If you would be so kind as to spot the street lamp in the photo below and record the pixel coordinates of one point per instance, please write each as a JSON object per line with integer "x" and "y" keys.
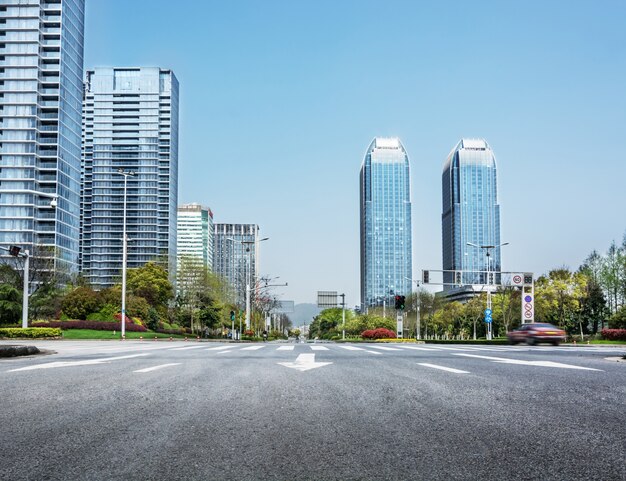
{"x": 15, "y": 252}
{"x": 488, "y": 253}
{"x": 126, "y": 175}
{"x": 249, "y": 268}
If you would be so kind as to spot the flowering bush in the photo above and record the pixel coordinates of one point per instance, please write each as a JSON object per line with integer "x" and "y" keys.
{"x": 95, "y": 325}
{"x": 248, "y": 333}
{"x": 380, "y": 333}
{"x": 614, "y": 334}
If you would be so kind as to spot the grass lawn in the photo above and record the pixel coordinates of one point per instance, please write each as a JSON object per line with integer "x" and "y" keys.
{"x": 607, "y": 342}
{"x": 93, "y": 334}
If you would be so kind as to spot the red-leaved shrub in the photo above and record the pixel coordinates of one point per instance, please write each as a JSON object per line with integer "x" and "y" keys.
{"x": 614, "y": 334}
{"x": 380, "y": 333}
{"x": 95, "y": 325}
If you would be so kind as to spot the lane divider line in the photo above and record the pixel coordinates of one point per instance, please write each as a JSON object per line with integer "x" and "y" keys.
{"x": 154, "y": 368}
{"x": 443, "y": 368}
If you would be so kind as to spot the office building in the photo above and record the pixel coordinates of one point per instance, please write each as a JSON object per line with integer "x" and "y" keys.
{"x": 471, "y": 215}
{"x": 236, "y": 256}
{"x": 130, "y": 122}
{"x": 385, "y": 206}
{"x": 195, "y": 234}
{"x": 41, "y": 72}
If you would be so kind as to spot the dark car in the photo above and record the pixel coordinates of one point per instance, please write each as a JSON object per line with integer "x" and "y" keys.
{"x": 535, "y": 333}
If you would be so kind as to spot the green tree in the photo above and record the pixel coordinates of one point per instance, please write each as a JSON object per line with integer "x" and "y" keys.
{"x": 150, "y": 282}
{"x": 558, "y": 298}
{"x": 80, "y": 302}
{"x": 618, "y": 320}
{"x": 10, "y": 304}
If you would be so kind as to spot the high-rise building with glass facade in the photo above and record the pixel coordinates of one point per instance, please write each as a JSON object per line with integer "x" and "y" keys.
{"x": 471, "y": 213}
{"x": 41, "y": 73}
{"x": 130, "y": 122}
{"x": 236, "y": 256}
{"x": 386, "y": 247}
{"x": 195, "y": 234}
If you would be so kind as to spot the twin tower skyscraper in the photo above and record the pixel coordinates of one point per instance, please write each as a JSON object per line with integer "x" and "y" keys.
{"x": 470, "y": 217}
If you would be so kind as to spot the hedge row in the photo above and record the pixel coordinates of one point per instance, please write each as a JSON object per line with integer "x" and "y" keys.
{"x": 466, "y": 341}
{"x": 380, "y": 333}
{"x": 29, "y": 332}
{"x": 614, "y": 334}
{"x": 95, "y": 325}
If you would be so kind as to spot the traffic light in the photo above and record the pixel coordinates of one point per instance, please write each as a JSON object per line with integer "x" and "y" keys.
{"x": 402, "y": 299}
{"x": 491, "y": 278}
{"x": 14, "y": 250}
{"x": 397, "y": 302}
{"x": 528, "y": 279}
{"x": 425, "y": 277}
{"x": 232, "y": 315}
{"x": 458, "y": 278}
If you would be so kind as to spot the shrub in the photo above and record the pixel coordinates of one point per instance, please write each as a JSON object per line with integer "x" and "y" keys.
{"x": 95, "y": 325}
{"x": 614, "y": 334}
{"x": 380, "y": 333}
{"x": 81, "y": 302}
{"x": 249, "y": 333}
{"x": 30, "y": 332}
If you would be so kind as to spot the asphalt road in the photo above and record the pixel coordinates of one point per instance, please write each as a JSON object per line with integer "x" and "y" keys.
{"x": 211, "y": 411}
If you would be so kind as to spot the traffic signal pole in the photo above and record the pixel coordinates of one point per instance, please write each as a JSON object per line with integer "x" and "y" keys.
{"x": 25, "y": 295}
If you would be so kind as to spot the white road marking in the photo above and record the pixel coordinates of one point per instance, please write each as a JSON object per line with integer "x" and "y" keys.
{"x": 51, "y": 365}
{"x": 318, "y": 348}
{"x": 285, "y": 348}
{"x": 354, "y": 348}
{"x": 252, "y": 348}
{"x": 154, "y": 368}
{"x": 443, "y": 368}
{"x": 186, "y": 348}
{"x": 220, "y": 348}
{"x": 304, "y": 362}
{"x": 415, "y": 348}
{"x": 448, "y": 348}
{"x": 384, "y": 348}
{"x": 528, "y": 363}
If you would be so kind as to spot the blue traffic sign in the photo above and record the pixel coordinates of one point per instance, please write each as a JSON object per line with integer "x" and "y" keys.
{"x": 488, "y": 319}
{"x": 487, "y": 312}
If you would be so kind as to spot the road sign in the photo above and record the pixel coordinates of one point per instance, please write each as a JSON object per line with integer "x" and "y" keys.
{"x": 488, "y": 319}
{"x": 528, "y": 308}
{"x": 517, "y": 279}
{"x": 326, "y": 299}
{"x": 488, "y": 312}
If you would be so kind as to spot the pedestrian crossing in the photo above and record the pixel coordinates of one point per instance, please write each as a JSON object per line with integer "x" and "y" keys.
{"x": 304, "y": 353}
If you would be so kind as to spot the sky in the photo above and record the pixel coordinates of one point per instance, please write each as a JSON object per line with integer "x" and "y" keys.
{"x": 280, "y": 100}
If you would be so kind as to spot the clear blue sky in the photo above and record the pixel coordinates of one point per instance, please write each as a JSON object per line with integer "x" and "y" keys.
{"x": 280, "y": 99}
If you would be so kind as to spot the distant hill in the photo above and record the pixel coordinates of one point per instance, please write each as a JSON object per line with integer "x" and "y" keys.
{"x": 303, "y": 314}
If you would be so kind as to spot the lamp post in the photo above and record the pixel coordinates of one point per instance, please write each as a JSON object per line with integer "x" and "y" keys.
{"x": 126, "y": 175}
{"x": 15, "y": 251}
{"x": 488, "y": 253}
{"x": 249, "y": 268}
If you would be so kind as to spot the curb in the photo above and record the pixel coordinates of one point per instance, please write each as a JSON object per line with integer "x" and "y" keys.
{"x": 13, "y": 351}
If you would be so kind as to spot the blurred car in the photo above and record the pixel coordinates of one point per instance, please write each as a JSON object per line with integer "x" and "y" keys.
{"x": 535, "y": 333}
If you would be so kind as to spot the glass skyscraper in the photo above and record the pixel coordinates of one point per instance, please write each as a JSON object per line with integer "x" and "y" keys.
{"x": 195, "y": 234}
{"x": 471, "y": 213}
{"x": 41, "y": 72}
{"x": 130, "y": 122}
{"x": 386, "y": 249}
{"x": 236, "y": 256}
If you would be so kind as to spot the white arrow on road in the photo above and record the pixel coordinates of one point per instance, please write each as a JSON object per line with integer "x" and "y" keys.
{"x": 505, "y": 360}
{"x": 304, "y": 362}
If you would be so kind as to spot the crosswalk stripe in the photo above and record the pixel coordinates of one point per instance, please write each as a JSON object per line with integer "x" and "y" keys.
{"x": 186, "y": 348}
{"x": 354, "y": 348}
{"x": 443, "y": 368}
{"x": 220, "y": 348}
{"x": 154, "y": 368}
{"x": 415, "y": 348}
{"x": 318, "y": 348}
{"x": 285, "y": 348}
{"x": 252, "y": 348}
{"x": 384, "y": 348}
